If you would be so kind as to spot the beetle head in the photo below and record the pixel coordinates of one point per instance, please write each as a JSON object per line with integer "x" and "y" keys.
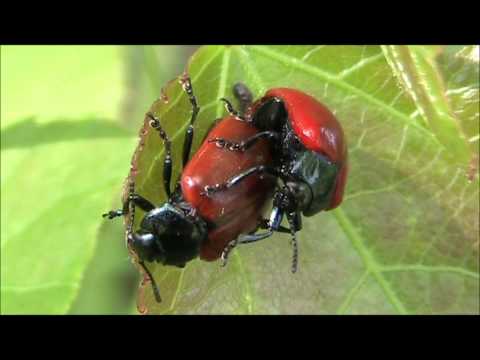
{"x": 169, "y": 236}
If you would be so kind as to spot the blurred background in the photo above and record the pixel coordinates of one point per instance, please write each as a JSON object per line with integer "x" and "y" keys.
{"x": 112, "y": 86}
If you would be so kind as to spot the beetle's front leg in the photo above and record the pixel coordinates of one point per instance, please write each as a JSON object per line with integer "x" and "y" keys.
{"x": 114, "y": 213}
{"x": 259, "y": 170}
{"x": 244, "y": 144}
{"x": 265, "y": 224}
{"x": 137, "y": 200}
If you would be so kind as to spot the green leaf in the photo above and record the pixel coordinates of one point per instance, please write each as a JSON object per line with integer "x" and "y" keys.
{"x": 406, "y": 238}
{"x": 460, "y": 70}
{"x": 60, "y": 168}
{"x": 56, "y": 81}
{"x": 418, "y": 73}
{"x": 52, "y": 210}
{"x": 110, "y": 282}
{"x": 147, "y": 69}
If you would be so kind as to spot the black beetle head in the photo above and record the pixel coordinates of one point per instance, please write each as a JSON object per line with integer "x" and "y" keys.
{"x": 300, "y": 194}
{"x": 270, "y": 115}
{"x": 167, "y": 235}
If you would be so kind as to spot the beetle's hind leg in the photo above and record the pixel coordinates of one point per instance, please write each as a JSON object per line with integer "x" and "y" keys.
{"x": 226, "y": 251}
{"x": 260, "y": 169}
{"x": 265, "y": 224}
{"x": 243, "y": 239}
{"x": 187, "y": 143}
{"x": 249, "y": 238}
{"x": 245, "y": 144}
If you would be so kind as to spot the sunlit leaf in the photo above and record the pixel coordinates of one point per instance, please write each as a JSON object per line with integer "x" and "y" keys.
{"x": 60, "y": 167}
{"x": 406, "y": 238}
{"x": 418, "y": 73}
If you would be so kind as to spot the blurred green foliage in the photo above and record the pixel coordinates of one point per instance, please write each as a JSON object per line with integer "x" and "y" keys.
{"x": 58, "y": 103}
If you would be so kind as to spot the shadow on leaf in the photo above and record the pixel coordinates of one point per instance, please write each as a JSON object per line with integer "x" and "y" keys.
{"x": 28, "y": 132}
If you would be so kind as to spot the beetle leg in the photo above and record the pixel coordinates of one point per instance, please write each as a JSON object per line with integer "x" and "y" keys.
{"x": 242, "y": 239}
{"x": 226, "y": 251}
{"x": 249, "y": 238}
{"x": 264, "y": 224}
{"x": 125, "y": 210}
{"x": 261, "y": 169}
{"x": 113, "y": 213}
{"x": 273, "y": 225}
{"x": 246, "y": 239}
{"x": 231, "y": 110}
{"x": 137, "y": 200}
{"x": 187, "y": 143}
{"x": 167, "y": 162}
{"x": 145, "y": 205}
{"x": 141, "y": 202}
{"x": 245, "y": 144}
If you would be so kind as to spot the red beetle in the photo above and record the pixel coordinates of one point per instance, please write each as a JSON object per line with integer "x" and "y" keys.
{"x": 189, "y": 224}
{"x": 310, "y": 157}
{"x": 234, "y": 212}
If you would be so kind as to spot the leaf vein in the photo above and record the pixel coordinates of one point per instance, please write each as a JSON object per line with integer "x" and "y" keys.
{"x": 177, "y": 291}
{"x": 311, "y": 52}
{"x": 45, "y": 286}
{"x": 248, "y": 287}
{"x": 222, "y": 84}
{"x": 340, "y": 83}
{"x": 251, "y": 69}
{"x": 432, "y": 269}
{"x": 369, "y": 261}
{"x": 350, "y": 295}
{"x": 363, "y": 62}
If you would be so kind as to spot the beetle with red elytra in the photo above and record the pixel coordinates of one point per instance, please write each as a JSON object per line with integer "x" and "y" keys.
{"x": 190, "y": 225}
{"x": 218, "y": 202}
{"x": 310, "y": 158}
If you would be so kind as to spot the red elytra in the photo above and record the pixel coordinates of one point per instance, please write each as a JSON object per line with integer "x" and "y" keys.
{"x": 318, "y": 130}
{"x": 315, "y": 125}
{"x": 237, "y": 210}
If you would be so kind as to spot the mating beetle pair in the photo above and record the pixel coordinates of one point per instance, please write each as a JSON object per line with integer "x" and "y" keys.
{"x": 286, "y": 135}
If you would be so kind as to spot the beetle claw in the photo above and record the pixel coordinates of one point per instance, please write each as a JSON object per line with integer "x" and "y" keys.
{"x": 113, "y": 214}
{"x": 226, "y": 251}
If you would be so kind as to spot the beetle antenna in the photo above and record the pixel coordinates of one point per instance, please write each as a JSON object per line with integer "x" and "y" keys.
{"x": 294, "y": 245}
{"x": 156, "y": 292}
{"x": 131, "y": 213}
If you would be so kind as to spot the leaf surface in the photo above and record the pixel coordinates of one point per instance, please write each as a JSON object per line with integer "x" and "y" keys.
{"x": 406, "y": 238}
{"x": 60, "y": 169}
